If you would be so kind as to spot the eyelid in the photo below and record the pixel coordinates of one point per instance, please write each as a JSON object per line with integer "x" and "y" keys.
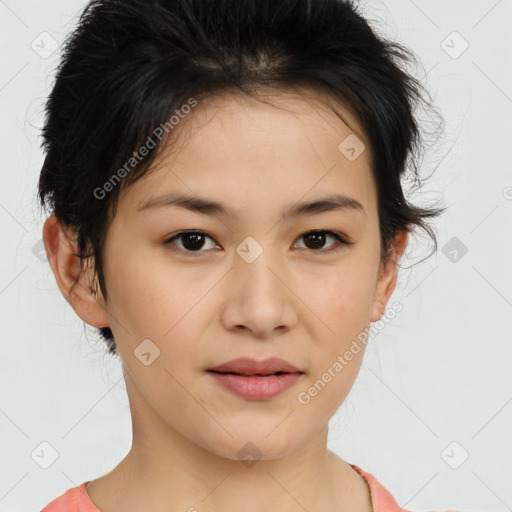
{"x": 168, "y": 241}
{"x": 341, "y": 240}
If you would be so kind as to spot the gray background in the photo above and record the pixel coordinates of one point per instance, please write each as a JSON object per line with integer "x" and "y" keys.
{"x": 435, "y": 385}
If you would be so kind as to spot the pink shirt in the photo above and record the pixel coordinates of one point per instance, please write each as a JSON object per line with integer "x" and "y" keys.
{"x": 77, "y": 500}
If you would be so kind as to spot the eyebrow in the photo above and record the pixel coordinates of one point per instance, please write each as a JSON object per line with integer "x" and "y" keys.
{"x": 206, "y": 206}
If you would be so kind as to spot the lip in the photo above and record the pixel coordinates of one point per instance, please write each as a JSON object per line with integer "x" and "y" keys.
{"x": 245, "y": 377}
{"x": 256, "y": 388}
{"x": 249, "y": 366}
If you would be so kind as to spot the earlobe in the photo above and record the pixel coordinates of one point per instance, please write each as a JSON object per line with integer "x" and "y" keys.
{"x": 75, "y": 282}
{"x": 387, "y": 279}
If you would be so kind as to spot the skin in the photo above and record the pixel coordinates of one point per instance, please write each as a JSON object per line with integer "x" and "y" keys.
{"x": 202, "y": 309}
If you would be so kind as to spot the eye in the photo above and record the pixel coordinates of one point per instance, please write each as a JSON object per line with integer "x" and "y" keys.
{"x": 316, "y": 239}
{"x": 192, "y": 241}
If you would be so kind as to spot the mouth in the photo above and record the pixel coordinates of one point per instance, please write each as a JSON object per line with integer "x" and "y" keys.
{"x": 257, "y": 374}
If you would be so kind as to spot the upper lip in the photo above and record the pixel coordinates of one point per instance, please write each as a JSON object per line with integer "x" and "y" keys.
{"x": 249, "y": 366}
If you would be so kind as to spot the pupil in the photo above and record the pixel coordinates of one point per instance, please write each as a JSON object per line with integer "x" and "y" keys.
{"x": 318, "y": 240}
{"x": 196, "y": 239}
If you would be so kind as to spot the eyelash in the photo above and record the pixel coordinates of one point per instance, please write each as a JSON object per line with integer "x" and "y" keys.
{"x": 340, "y": 241}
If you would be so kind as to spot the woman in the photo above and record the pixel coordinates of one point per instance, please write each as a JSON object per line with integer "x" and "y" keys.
{"x": 224, "y": 183}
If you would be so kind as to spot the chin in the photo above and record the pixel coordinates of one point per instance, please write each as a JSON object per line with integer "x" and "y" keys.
{"x": 251, "y": 446}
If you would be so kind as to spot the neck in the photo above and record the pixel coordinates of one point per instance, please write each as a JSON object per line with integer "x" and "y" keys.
{"x": 164, "y": 470}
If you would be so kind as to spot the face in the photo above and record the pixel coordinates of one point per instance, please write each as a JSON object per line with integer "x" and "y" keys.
{"x": 252, "y": 281}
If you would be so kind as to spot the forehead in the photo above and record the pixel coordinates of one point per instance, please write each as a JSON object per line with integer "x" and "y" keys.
{"x": 304, "y": 113}
{"x": 282, "y": 146}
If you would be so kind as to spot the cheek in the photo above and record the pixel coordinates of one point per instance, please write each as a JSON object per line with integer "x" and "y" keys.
{"x": 347, "y": 295}
{"x": 344, "y": 307}
{"x": 150, "y": 297}
{"x": 169, "y": 308}
{"x": 339, "y": 354}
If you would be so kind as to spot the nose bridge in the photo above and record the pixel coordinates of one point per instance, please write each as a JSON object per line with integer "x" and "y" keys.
{"x": 258, "y": 298}
{"x": 252, "y": 271}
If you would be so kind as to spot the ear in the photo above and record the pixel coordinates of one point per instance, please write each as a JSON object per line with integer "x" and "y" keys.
{"x": 387, "y": 278}
{"x": 74, "y": 281}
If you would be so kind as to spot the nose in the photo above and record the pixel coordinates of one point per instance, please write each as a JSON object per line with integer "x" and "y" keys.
{"x": 259, "y": 299}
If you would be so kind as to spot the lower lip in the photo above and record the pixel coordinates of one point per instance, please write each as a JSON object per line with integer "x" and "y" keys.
{"x": 254, "y": 387}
